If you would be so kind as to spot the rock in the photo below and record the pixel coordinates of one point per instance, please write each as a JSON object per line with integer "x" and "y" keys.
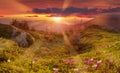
{"x": 23, "y": 38}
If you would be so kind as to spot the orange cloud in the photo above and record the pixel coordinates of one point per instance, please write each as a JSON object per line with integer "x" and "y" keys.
{"x": 12, "y": 7}
{"x": 71, "y": 3}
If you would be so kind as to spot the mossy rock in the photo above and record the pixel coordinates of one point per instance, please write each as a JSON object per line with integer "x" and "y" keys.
{"x": 23, "y": 38}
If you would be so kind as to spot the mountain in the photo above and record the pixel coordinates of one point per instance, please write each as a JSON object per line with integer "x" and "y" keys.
{"x": 107, "y": 21}
{"x": 23, "y": 38}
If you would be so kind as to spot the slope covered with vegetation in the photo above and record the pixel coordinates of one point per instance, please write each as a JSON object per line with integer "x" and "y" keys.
{"x": 103, "y": 56}
{"x": 89, "y": 50}
{"x": 97, "y": 51}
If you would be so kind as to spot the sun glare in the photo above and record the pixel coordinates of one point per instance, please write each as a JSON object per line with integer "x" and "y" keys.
{"x": 57, "y": 19}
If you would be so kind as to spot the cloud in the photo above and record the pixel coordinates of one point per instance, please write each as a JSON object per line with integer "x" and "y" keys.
{"x": 74, "y": 10}
{"x": 12, "y": 6}
{"x": 56, "y": 6}
{"x": 1, "y": 16}
{"x": 42, "y": 3}
{"x": 71, "y": 3}
{"x": 32, "y": 16}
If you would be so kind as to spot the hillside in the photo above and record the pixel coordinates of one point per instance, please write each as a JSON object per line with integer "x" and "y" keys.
{"x": 92, "y": 50}
{"x": 103, "y": 54}
{"x": 107, "y": 21}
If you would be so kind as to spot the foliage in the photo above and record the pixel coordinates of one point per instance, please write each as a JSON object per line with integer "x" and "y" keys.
{"x": 97, "y": 52}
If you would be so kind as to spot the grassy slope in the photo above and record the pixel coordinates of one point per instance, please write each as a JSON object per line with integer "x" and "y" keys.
{"x": 105, "y": 47}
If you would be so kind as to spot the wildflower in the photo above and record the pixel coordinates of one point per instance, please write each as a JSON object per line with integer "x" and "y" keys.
{"x": 76, "y": 69}
{"x": 98, "y": 62}
{"x": 55, "y": 70}
{"x": 33, "y": 62}
{"x": 90, "y": 61}
{"x": 87, "y": 69}
{"x": 36, "y": 59}
{"x": 95, "y": 66}
{"x": 111, "y": 61}
{"x": 8, "y": 60}
{"x": 68, "y": 61}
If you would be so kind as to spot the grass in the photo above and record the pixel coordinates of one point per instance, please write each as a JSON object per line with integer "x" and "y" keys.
{"x": 98, "y": 52}
{"x": 106, "y": 47}
{"x": 5, "y": 29}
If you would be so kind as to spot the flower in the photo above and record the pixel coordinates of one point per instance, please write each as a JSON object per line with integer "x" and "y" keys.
{"x": 55, "y": 70}
{"x": 33, "y": 62}
{"x": 95, "y": 66}
{"x": 36, "y": 59}
{"x": 111, "y": 62}
{"x": 8, "y": 60}
{"x": 98, "y": 62}
{"x": 86, "y": 69}
{"x": 68, "y": 61}
{"x": 90, "y": 61}
{"x": 76, "y": 69}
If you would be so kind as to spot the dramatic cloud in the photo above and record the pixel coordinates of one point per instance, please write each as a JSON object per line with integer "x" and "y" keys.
{"x": 73, "y": 10}
{"x": 42, "y": 3}
{"x": 11, "y": 7}
{"x": 57, "y": 6}
{"x": 71, "y": 3}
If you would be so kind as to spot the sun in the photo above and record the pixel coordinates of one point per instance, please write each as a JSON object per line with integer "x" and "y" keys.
{"x": 57, "y": 19}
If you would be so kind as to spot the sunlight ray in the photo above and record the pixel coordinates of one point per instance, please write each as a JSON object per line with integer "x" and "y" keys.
{"x": 67, "y": 42}
{"x": 66, "y": 4}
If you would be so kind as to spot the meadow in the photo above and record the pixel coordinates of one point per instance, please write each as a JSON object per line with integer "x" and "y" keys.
{"x": 93, "y": 50}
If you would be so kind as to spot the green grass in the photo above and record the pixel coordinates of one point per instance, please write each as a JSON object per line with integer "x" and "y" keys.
{"x": 51, "y": 52}
{"x": 5, "y": 29}
{"x": 106, "y": 47}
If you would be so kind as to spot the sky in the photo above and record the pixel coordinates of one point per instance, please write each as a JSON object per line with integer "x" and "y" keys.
{"x": 59, "y": 7}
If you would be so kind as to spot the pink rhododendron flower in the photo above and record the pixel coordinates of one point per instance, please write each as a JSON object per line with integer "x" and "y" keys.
{"x": 95, "y": 65}
{"x": 87, "y": 69}
{"x": 111, "y": 61}
{"x": 56, "y": 71}
{"x": 99, "y": 62}
{"x": 68, "y": 61}
{"x": 90, "y": 61}
{"x": 36, "y": 59}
